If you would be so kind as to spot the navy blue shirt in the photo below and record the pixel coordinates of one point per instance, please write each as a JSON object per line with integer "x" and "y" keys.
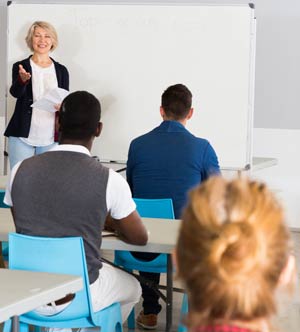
{"x": 167, "y": 162}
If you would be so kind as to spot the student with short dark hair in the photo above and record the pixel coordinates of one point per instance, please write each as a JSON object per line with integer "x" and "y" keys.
{"x": 166, "y": 163}
{"x": 176, "y": 101}
{"x": 233, "y": 253}
{"x": 66, "y": 192}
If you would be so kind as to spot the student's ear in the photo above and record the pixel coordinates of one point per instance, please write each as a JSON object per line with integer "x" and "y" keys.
{"x": 190, "y": 113}
{"x": 162, "y": 112}
{"x": 288, "y": 274}
{"x": 99, "y": 129}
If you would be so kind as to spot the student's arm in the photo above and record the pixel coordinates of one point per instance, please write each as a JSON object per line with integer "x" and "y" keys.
{"x": 122, "y": 210}
{"x": 210, "y": 163}
{"x": 130, "y": 229}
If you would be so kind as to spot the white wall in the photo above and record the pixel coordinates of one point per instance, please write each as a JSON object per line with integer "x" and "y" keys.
{"x": 277, "y": 104}
{"x": 284, "y": 178}
{"x": 277, "y": 66}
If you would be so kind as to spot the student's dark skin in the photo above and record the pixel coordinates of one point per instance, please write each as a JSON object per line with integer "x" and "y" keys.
{"x": 128, "y": 229}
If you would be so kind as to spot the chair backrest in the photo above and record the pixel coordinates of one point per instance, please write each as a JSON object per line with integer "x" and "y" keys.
{"x": 2, "y": 204}
{"x": 147, "y": 208}
{"x": 53, "y": 255}
{"x": 4, "y": 245}
{"x": 155, "y": 208}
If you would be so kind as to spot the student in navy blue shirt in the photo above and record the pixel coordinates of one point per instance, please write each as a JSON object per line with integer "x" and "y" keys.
{"x": 166, "y": 163}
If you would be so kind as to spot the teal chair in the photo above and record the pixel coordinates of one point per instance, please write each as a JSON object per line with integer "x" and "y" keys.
{"x": 66, "y": 256}
{"x": 184, "y": 311}
{"x": 2, "y": 204}
{"x": 4, "y": 244}
{"x": 147, "y": 208}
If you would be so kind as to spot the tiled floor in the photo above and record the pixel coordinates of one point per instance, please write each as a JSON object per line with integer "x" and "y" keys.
{"x": 288, "y": 317}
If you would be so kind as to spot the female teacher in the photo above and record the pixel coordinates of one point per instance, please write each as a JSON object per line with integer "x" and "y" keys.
{"x": 30, "y": 130}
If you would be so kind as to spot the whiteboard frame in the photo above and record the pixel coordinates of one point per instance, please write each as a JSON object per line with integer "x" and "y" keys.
{"x": 249, "y": 151}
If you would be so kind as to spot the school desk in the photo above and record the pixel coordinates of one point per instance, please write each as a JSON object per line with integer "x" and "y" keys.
{"x": 162, "y": 237}
{"x": 23, "y": 291}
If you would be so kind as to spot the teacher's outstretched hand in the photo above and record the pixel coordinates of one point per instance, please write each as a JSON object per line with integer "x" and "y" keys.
{"x": 24, "y": 75}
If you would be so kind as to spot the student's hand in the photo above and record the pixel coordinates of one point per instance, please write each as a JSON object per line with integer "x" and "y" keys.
{"x": 24, "y": 75}
{"x": 131, "y": 229}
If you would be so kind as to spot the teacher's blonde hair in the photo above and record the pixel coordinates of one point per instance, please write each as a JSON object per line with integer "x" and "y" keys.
{"x": 46, "y": 26}
{"x": 232, "y": 248}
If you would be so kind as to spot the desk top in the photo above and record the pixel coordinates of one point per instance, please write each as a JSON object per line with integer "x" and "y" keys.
{"x": 115, "y": 166}
{"x": 262, "y": 163}
{"x": 162, "y": 237}
{"x": 257, "y": 164}
{"x": 6, "y": 224}
{"x": 23, "y": 291}
{"x": 162, "y": 234}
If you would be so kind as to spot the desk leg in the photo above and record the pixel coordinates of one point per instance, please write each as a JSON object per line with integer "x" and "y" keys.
{"x": 15, "y": 324}
{"x": 2, "y": 265}
{"x": 169, "y": 303}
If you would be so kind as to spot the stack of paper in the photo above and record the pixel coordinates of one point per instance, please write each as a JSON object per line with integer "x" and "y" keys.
{"x": 50, "y": 100}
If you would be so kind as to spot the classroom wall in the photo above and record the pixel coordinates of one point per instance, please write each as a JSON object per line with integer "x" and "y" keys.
{"x": 2, "y": 81}
{"x": 277, "y": 104}
{"x": 277, "y": 67}
{"x": 284, "y": 178}
{"x": 277, "y": 100}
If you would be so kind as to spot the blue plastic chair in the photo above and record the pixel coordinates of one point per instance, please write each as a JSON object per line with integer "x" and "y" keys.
{"x": 66, "y": 256}
{"x": 147, "y": 208}
{"x": 4, "y": 244}
{"x": 2, "y": 204}
{"x": 184, "y": 311}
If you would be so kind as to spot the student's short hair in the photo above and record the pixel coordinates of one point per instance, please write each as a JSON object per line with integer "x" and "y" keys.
{"x": 79, "y": 116}
{"x": 232, "y": 247}
{"x": 46, "y": 26}
{"x": 176, "y": 101}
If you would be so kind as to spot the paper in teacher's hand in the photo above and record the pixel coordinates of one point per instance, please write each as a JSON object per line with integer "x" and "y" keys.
{"x": 50, "y": 100}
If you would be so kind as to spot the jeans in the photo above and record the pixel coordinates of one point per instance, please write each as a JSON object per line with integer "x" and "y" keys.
{"x": 150, "y": 297}
{"x": 19, "y": 150}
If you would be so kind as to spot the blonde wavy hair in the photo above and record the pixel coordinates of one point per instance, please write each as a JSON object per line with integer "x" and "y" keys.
{"x": 232, "y": 247}
{"x": 46, "y": 26}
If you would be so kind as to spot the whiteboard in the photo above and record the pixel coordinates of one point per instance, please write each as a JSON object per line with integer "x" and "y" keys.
{"x": 128, "y": 54}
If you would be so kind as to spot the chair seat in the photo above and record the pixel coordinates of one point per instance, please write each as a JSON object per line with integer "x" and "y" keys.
{"x": 67, "y": 256}
{"x": 129, "y": 262}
